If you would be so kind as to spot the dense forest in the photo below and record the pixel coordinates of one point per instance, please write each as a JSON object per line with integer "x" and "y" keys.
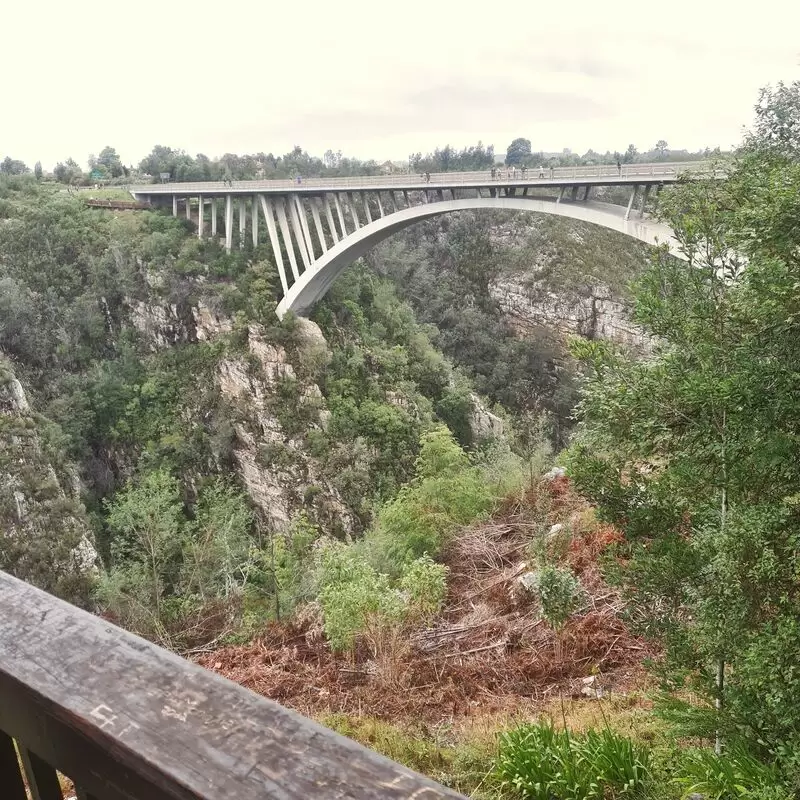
{"x": 524, "y": 490}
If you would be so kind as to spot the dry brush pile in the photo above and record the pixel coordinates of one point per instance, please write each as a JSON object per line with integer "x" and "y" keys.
{"x": 490, "y": 649}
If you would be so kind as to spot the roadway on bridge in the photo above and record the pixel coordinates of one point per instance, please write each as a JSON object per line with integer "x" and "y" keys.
{"x": 603, "y": 175}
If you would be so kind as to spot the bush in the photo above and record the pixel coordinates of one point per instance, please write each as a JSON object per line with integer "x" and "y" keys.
{"x": 541, "y": 763}
{"x": 559, "y": 594}
{"x": 734, "y": 774}
{"x": 447, "y": 492}
{"x": 354, "y": 596}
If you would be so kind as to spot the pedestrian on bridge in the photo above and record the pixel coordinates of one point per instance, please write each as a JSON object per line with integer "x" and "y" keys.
{"x": 619, "y": 168}
{"x": 541, "y": 171}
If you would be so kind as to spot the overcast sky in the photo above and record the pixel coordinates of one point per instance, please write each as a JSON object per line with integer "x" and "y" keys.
{"x": 383, "y": 79}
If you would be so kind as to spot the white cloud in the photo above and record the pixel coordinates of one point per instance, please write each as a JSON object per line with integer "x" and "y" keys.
{"x": 382, "y": 79}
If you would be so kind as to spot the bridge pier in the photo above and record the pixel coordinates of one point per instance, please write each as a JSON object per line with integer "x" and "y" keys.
{"x": 294, "y": 218}
{"x": 326, "y": 201}
{"x": 353, "y": 211}
{"x": 200, "y": 210}
{"x": 213, "y": 217}
{"x": 631, "y": 201}
{"x": 315, "y": 206}
{"x": 255, "y": 221}
{"x": 287, "y": 236}
{"x": 645, "y": 195}
{"x": 188, "y": 206}
{"x": 174, "y": 205}
{"x": 339, "y": 213}
{"x": 269, "y": 216}
{"x": 228, "y": 223}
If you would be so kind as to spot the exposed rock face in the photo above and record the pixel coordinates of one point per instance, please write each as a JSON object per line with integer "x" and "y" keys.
{"x": 279, "y": 474}
{"x": 43, "y": 530}
{"x": 593, "y": 312}
{"x": 163, "y": 326}
{"x": 483, "y": 423}
{"x": 275, "y": 468}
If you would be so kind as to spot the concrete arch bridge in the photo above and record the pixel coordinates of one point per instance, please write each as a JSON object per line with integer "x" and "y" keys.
{"x": 318, "y": 227}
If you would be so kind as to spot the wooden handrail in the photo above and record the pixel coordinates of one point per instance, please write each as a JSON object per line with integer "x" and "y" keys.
{"x": 127, "y": 720}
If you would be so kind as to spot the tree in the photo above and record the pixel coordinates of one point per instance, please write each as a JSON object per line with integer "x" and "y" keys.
{"x": 693, "y": 452}
{"x": 661, "y": 148}
{"x": 68, "y": 172}
{"x": 10, "y": 166}
{"x": 110, "y": 162}
{"x": 518, "y": 152}
{"x": 37, "y": 170}
{"x": 630, "y": 154}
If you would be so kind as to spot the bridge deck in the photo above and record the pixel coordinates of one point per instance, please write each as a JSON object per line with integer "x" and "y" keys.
{"x": 603, "y": 175}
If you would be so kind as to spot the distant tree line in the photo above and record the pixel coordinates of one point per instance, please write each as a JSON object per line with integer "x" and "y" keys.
{"x": 520, "y": 154}
{"x": 178, "y": 165}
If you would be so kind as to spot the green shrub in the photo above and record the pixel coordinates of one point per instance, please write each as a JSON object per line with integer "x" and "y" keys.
{"x": 353, "y": 594}
{"x": 540, "y": 763}
{"x": 424, "y": 586}
{"x": 559, "y": 594}
{"x": 734, "y": 774}
{"x": 447, "y": 493}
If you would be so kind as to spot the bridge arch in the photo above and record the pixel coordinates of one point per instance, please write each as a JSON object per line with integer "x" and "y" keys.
{"x": 313, "y": 284}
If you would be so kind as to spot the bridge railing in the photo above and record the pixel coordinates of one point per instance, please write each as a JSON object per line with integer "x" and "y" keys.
{"x": 533, "y": 176}
{"x": 126, "y": 720}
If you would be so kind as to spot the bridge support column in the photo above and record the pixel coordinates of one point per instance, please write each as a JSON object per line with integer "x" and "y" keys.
{"x": 188, "y": 208}
{"x": 315, "y": 201}
{"x": 405, "y": 195}
{"x": 242, "y": 220}
{"x": 255, "y": 220}
{"x": 380, "y": 204}
{"x": 228, "y": 223}
{"x": 303, "y": 216}
{"x": 200, "y": 221}
{"x": 287, "y": 236}
{"x": 340, "y": 214}
{"x": 560, "y": 194}
{"x": 587, "y": 192}
{"x": 575, "y": 194}
{"x": 353, "y": 211}
{"x": 294, "y": 217}
{"x": 365, "y": 200}
{"x": 645, "y": 195}
{"x": 326, "y": 202}
{"x": 266, "y": 207}
{"x": 174, "y": 205}
{"x": 631, "y": 201}
{"x": 213, "y": 217}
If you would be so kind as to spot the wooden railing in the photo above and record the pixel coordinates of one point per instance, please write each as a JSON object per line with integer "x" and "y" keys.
{"x": 126, "y": 720}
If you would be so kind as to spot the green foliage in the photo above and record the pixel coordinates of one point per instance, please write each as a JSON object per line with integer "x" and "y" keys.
{"x": 693, "y": 452}
{"x": 559, "y": 593}
{"x": 446, "y": 493}
{"x": 423, "y": 586}
{"x": 449, "y": 269}
{"x": 538, "y": 762}
{"x": 351, "y": 594}
{"x": 519, "y": 152}
{"x": 734, "y": 774}
{"x": 175, "y": 578}
{"x": 294, "y": 564}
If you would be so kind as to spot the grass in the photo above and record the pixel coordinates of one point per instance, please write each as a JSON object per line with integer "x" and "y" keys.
{"x": 461, "y": 760}
{"x": 462, "y": 756}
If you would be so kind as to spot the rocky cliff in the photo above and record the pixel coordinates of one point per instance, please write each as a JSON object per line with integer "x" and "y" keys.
{"x": 44, "y": 533}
